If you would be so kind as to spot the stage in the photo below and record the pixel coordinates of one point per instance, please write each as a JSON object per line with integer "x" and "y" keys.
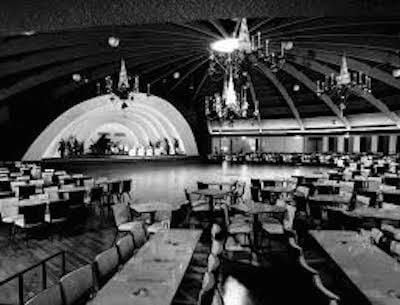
{"x": 88, "y": 159}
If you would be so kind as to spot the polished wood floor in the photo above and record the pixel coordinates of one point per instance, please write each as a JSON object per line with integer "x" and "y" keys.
{"x": 80, "y": 247}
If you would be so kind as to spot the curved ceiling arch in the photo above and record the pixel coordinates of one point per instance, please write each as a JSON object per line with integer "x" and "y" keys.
{"x": 150, "y": 115}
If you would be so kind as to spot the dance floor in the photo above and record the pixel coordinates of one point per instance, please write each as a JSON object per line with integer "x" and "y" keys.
{"x": 166, "y": 181}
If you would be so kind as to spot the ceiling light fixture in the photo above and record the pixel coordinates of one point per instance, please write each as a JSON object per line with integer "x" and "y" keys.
{"x": 226, "y": 45}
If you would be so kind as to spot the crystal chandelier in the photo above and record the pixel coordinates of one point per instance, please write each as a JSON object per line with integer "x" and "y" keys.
{"x": 231, "y": 104}
{"x": 262, "y": 51}
{"x": 342, "y": 86}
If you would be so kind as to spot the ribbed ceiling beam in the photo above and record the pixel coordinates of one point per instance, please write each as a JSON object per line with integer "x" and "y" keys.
{"x": 271, "y": 76}
{"x": 313, "y": 87}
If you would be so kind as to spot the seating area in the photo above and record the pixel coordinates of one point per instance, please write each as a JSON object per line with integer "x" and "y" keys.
{"x": 47, "y": 200}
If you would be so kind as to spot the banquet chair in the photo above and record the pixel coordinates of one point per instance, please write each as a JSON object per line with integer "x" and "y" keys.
{"x": 273, "y": 228}
{"x": 126, "y": 188}
{"x": 26, "y": 190}
{"x": 49, "y": 296}
{"x": 52, "y": 192}
{"x": 255, "y": 194}
{"x": 207, "y": 290}
{"x": 9, "y": 212}
{"x": 362, "y": 201}
{"x": 256, "y": 183}
{"x": 96, "y": 199}
{"x": 321, "y": 295}
{"x": 126, "y": 248}
{"x": 78, "y": 287}
{"x": 235, "y": 229}
{"x": 114, "y": 193}
{"x": 105, "y": 266}
{"x": 124, "y": 224}
{"x": 58, "y": 215}
{"x": 294, "y": 251}
{"x": 33, "y": 219}
{"x": 77, "y": 206}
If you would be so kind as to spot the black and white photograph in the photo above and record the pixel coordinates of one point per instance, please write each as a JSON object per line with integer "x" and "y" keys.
{"x": 199, "y": 152}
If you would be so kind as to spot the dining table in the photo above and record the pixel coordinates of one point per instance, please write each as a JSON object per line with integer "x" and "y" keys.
{"x": 330, "y": 199}
{"x": 373, "y": 272}
{"x": 378, "y": 214}
{"x": 220, "y": 184}
{"x": 152, "y": 207}
{"x": 258, "y": 208}
{"x": 211, "y": 195}
{"x": 153, "y": 275}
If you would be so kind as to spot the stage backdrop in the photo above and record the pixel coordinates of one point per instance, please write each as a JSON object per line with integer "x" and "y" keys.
{"x": 147, "y": 118}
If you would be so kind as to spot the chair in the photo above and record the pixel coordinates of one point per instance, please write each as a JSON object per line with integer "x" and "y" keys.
{"x": 256, "y": 183}
{"x": 395, "y": 248}
{"x": 9, "y": 213}
{"x": 268, "y": 182}
{"x": 235, "y": 229}
{"x": 77, "y": 287}
{"x": 362, "y": 201}
{"x": 52, "y": 192}
{"x": 207, "y": 290}
{"x": 58, "y": 214}
{"x": 33, "y": 218}
{"x": 26, "y": 190}
{"x": 238, "y": 192}
{"x": 114, "y": 191}
{"x": 124, "y": 224}
{"x": 255, "y": 194}
{"x": 126, "y": 248}
{"x": 96, "y": 199}
{"x": 294, "y": 251}
{"x": 202, "y": 186}
{"x": 77, "y": 206}
{"x": 105, "y": 266}
{"x": 49, "y": 296}
{"x": 321, "y": 295}
{"x": 126, "y": 188}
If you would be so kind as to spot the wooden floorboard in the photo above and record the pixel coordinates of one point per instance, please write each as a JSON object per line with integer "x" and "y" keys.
{"x": 81, "y": 248}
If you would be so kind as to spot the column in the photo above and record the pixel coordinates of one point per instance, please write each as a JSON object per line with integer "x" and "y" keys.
{"x": 392, "y": 144}
{"x": 325, "y": 144}
{"x": 356, "y": 144}
{"x": 340, "y": 144}
{"x": 374, "y": 144}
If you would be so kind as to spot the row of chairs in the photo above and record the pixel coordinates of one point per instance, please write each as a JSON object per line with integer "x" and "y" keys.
{"x": 81, "y": 285}
{"x": 305, "y": 279}
{"x": 388, "y": 239}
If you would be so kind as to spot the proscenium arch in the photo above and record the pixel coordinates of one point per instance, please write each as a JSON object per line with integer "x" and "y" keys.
{"x": 148, "y": 117}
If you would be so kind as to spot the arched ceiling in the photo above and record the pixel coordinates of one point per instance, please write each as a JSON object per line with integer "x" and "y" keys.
{"x": 156, "y": 51}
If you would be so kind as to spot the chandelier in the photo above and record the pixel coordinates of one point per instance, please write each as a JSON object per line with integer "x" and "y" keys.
{"x": 230, "y": 104}
{"x": 274, "y": 61}
{"x": 343, "y": 85}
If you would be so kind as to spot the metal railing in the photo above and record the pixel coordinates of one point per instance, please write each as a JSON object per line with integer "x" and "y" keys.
{"x": 42, "y": 263}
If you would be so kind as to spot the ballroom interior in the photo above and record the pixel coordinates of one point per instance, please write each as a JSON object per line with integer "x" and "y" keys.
{"x": 199, "y": 152}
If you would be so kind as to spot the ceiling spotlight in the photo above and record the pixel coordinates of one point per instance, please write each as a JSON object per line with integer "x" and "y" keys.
{"x": 29, "y": 33}
{"x": 176, "y": 75}
{"x": 296, "y": 87}
{"x": 113, "y": 42}
{"x": 227, "y": 45}
{"x": 396, "y": 72}
{"x": 76, "y": 77}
